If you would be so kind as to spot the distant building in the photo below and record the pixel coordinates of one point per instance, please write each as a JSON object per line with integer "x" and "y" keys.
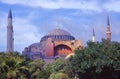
{"x": 10, "y": 38}
{"x": 57, "y": 43}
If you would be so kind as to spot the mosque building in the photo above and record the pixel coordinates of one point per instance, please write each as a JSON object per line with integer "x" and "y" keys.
{"x": 56, "y": 43}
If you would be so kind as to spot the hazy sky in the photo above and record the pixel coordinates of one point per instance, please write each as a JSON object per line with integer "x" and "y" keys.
{"x": 32, "y": 19}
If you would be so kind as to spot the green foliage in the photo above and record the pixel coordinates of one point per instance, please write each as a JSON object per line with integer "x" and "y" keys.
{"x": 58, "y": 76}
{"x": 36, "y": 68}
{"x": 11, "y": 64}
{"x": 57, "y": 66}
{"x": 96, "y": 58}
{"x": 36, "y": 64}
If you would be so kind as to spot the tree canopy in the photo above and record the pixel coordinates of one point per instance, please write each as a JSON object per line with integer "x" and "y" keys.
{"x": 98, "y": 60}
{"x": 11, "y": 64}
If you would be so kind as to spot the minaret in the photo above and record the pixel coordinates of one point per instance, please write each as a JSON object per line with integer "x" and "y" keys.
{"x": 10, "y": 39}
{"x": 93, "y": 37}
{"x": 108, "y": 32}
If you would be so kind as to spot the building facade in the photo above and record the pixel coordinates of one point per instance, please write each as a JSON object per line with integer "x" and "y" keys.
{"x": 57, "y": 43}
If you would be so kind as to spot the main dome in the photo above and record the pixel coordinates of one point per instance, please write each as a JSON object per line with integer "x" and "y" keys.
{"x": 58, "y": 34}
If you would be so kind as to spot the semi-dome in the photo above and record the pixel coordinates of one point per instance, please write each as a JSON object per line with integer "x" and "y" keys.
{"x": 58, "y": 34}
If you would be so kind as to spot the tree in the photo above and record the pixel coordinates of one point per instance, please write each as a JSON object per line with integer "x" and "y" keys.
{"x": 36, "y": 68}
{"x": 58, "y": 76}
{"x": 98, "y": 60}
{"x": 3, "y": 66}
{"x": 12, "y": 64}
{"x": 57, "y": 66}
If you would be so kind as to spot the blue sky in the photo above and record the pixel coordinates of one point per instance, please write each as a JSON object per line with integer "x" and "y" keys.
{"x": 32, "y": 19}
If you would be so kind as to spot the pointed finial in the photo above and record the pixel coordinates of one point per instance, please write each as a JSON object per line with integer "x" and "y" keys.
{"x": 93, "y": 32}
{"x": 57, "y": 26}
{"x": 108, "y": 22}
{"x": 10, "y": 14}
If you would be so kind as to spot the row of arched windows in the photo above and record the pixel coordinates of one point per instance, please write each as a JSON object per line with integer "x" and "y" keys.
{"x": 58, "y": 37}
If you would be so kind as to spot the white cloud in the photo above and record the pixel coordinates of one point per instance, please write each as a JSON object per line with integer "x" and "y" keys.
{"x": 25, "y": 33}
{"x": 55, "y": 4}
{"x": 113, "y": 5}
{"x": 90, "y": 5}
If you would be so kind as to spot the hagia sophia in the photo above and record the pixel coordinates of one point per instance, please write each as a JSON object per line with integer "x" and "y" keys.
{"x": 57, "y": 43}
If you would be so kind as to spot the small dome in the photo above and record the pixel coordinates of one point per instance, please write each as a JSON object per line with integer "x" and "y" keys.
{"x": 35, "y": 45}
{"x": 58, "y": 32}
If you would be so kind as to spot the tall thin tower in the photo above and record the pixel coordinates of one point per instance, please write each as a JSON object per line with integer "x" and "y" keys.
{"x": 93, "y": 37}
{"x": 10, "y": 38}
{"x": 108, "y": 32}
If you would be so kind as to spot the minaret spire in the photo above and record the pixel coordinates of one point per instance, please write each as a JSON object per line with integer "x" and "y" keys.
{"x": 108, "y": 32}
{"x": 108, "y": 22}
{"x": 93, "y": 37}
{"x": 10, "y": 14}
{"x": 10, "y": 39}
